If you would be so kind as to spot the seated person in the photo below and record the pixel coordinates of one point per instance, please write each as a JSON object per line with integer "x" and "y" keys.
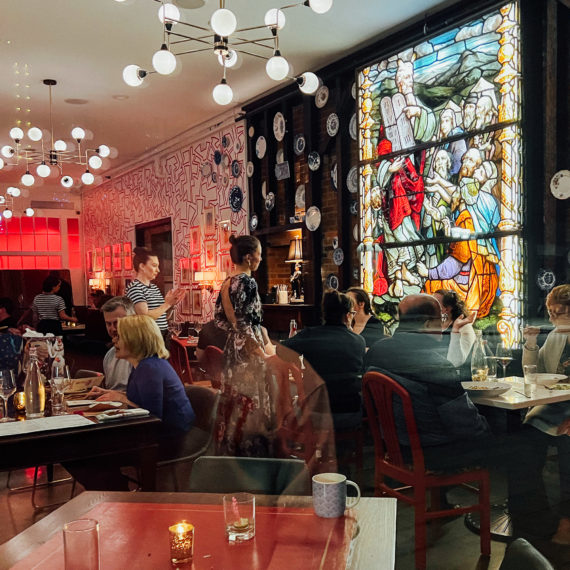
{"x": 337, "y": 355}
{"x": 6, "y": 310}
{"x": 365, "y": 323}
{"x": 452, "y": 432}
{"x": 210, "y": 335}
{"x": 117, "y": 371}
{"x": 154, "y": 386}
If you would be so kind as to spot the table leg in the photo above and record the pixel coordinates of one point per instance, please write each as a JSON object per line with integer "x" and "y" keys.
{"x": 147, "y": 465}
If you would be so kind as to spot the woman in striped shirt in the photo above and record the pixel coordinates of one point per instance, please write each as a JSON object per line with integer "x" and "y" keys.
{"x": 146, "y": 296}
{"x": 49, "y": 308}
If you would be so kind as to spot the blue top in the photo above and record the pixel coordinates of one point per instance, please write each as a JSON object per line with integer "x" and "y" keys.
{"x": 155, "y": 386}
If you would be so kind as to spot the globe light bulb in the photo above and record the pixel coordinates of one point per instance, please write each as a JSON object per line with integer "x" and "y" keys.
{"x": 17, "y": 134}
{"x": 35, "y": 134}
{"x": 13, "y": 191}
{"x": 230, "y": 58}
{"x": 66, "y": 181}
{"x": 223, "y": 22}
{"x": 87, "y": 177}
{"x": 95, "y": 162}
{"x": 29, "y": 212}
{"x": 320, "y": 6}
{"x": 1, "y": 164}
{"x": 7, "y": 213}
{"x": 275, "y": 18}
{"x": 308, "y": 83}
{"x": 27, "y": 179}
{"x": 78, "y": 134}
{"x": 223, "y": 93}
{"x": 277, "y": 67}
{"x": 133, "y": 75}
{"x": 60, "y": 146}
{"x": 164, "y": 61}
{"x": 43, "y": 170}
{"x": 104, "y": 150}
{"x": 7, "y": 151}
{"x": 168, "y": 12}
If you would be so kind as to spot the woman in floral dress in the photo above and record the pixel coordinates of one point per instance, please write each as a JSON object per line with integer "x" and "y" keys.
{"x": 246, "y": 417}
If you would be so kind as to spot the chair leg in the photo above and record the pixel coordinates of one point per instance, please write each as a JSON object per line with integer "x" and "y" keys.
{"x": 485, "y": 516}
{"x": 35, "y": 487}
{"x": 420, "y": 532}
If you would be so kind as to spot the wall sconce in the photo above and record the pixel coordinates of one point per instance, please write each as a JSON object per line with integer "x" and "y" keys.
{"x": 207, "y": 279}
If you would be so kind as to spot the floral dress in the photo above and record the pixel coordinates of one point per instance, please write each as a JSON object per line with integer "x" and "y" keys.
{"x": 245, "y": 425}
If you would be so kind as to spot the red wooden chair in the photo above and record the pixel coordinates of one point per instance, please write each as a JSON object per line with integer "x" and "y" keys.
{"x": 212, "y": 362}
{"x": 379, "y": 392}
{"x": 179, "y": 360}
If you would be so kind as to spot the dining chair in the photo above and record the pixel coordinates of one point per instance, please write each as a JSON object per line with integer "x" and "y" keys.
{"x": 179, "y": 360}
{"x": 212, "y": 362}
{"x": 205, "y": 403}
{"x": 521, "y": 555}
{"x": 252, "y": 474}
{"x": 381, "y": 393}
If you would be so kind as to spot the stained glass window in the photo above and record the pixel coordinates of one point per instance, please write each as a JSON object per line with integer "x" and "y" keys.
{"x": 439, "y": 166}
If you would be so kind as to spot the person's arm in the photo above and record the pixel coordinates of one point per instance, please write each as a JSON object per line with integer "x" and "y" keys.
{"x": 65, "y": 317}
{"x": 173, "y": 297}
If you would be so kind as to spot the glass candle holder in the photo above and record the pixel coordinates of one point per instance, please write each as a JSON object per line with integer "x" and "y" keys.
{"x": 181, "y": 536}
{"x": 20, "y": 401}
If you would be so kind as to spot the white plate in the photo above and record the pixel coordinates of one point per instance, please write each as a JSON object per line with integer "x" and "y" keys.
{"x": 332, "y": 124}
{"x": 486, "y": 388}
{"x": 352, "y": 180}
{"x": 313, "y": 218}
{"x": 545, "y": 379}
{"x": 300, "y": 197}
{"x": 332, "y": 281}
{"x": 249, "y": 169}
{"x": 355, "y": 232}
{"x": 206, "y": 169}
{"x": 352, "y": 130}
{"x": 253, "y": 222}
{"x": 321, "y": 96}
{"x": 299, "y": 144}
{"x": 338, "y": 256}
{"x": 264, "y": 189}
{"x": 280, "y": 156}
{"x": 260, "y": 147}
{"x": 314, "y": 160}
{"x": 251, "y": 131}
{"x": 279, "y": 126}
{"x": 560, "y": 185}
{"x": 353, "y": 90}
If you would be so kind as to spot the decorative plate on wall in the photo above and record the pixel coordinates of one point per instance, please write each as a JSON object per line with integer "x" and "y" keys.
{"x": 226, "y": 160}
{"x": 321, "y": 96}
{"x": 249, "y": 169}
{"x": 280, "y": 156}
{"x": 300, "y": 197}
{"x": 331, "y": 281}
{"x": 236, "y": 199}
{"x": 217, "y": 157}
{"x": 338, "y": 256}
{"x": 260, "y": 147}
{"x": 334, "y": 176}
{"x": 352, "y": 130}
{"x": 206, "y": 169}
{"x": 214, "y": 177}
{"x": 253, "y": 222}
{"x": 353, "y": 207}
{"x": 313, "y": 218}
{"x": 352, "y": 180}
{"x": 264, "y": 189}
{"x": 236, "y": 168}
{"x": 332, "y": 124}
{"x": 353, "y": 90}
{"x": 251, "y": 131}
{"x": 279, "y": 126}
{"x": 560, "y": 185}
{"x": 314, "y": 160}
{"x": 299, "y": 144}
{"x": 269, "y": 201}
{"x": 355, "y": 232}
{"x": 225, "y": 141}
{"x": 238, "y": 145}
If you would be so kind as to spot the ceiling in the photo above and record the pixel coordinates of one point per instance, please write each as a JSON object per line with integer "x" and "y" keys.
{"x": 85, "y": 44}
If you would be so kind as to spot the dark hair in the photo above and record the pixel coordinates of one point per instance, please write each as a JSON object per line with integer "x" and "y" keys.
{"x": 242, "y": 246}
{"x": 361, "y": 297}
{"x": 8, "y": 304}
{"x": 335, "y": 307}
{"x": 49, "y": 283}
{"x": 414, "y": 317}
{"x": 142, "y": 255}
{"x": 452, "y": 300}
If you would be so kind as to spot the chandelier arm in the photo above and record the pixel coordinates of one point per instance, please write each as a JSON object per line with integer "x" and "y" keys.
{"x": 254, "y": 55}
{"x": 243, "y": 41}
{"x": 192, "y": 26}
{"x": 292, "y": 5}
{"x": 250, "y": 28}
{"x": 193, "y": 51}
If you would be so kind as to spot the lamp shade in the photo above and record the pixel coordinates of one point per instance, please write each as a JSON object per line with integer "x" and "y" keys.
{"x": 222, "y": 93}
{"x": 320, "y": 6}
{"x": 295, "y": 251}
{"x": 168, "y": 12}
{"x": 132, "y": 76}
{"x": 17, "y": 134}
{"x": 308, "y": 83}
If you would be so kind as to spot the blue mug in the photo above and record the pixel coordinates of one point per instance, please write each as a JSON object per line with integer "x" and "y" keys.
{"x": 329, "y": 495}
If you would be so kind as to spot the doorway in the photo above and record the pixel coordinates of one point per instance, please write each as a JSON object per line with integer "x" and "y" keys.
{"x": 157, "y": 236}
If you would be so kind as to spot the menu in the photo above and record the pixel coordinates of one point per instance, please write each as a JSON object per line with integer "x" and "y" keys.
{"x": 43, "y": 424}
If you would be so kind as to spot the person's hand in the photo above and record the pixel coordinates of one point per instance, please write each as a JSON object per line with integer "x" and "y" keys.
{"x": 15, "y": 331}
{"x": 412, "y": 111}
{"x": 113, "y": 396}
{"x": 73, "y": 320}
{"x": 530, "y": 334}
{"x": 564, "y": 428}
{"x": 174, "y": 296}
{"x": 397, "y": 164}
{"x": 461, "y": 321}
{"x": 95, "y": 392}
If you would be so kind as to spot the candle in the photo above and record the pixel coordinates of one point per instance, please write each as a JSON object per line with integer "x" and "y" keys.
{"x": 181, "y": 537}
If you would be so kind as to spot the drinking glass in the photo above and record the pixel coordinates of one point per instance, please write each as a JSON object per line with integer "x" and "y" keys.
{"x": 59, "y": 382}
{"x": 529, "y": 379}
{"x": 239, "y": 516}
{"x": 7, "y": 388}
{"x": 81, "y": 544}
{"x": 491, "y": 368}
{"x": 504, "y": 356}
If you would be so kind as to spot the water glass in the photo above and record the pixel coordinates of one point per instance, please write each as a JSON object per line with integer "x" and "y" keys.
{"x": 491, "y": 368}
{"x": 529, "y": 379}
{"x": 81, "y": 544}
{"x": 7, "y": 388}
{"x": 239, "y": 516}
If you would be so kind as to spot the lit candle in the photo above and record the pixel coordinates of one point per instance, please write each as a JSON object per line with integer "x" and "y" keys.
{"x": 181, "y": 537}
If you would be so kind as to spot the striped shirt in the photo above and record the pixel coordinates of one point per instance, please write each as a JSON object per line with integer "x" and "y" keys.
{"x": 47, "y": 306}
{"x": 138, "y": 292}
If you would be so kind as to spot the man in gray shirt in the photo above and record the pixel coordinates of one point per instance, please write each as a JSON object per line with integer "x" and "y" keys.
{"x": 116, "y": 370}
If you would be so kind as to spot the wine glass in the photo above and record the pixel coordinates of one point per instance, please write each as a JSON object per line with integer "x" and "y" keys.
{"x": 504, "y": 356}
{"x": 198, "y": 326}
{"x": 7, "y": 388}
{"x": 60, "y": 380}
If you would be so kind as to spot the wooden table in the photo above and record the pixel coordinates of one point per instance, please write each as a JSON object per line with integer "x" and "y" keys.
{"x": 515, "y": 399}
{"x": 136, "y": 436}
{"x": 133, "y": 534}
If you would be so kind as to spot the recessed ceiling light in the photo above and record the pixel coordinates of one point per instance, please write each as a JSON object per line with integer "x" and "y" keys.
{"x": 120, "y": 97}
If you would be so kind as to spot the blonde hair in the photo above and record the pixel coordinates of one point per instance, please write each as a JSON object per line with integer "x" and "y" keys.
{"x": 141, "y": 336}
{"x": 559, "y": 296}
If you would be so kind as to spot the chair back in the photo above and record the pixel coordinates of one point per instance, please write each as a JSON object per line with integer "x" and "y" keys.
{"x": 179, "y": 361}
{"x": 204, "y": 402}
{"x": 212, "y": 362}
{"x": 381, "y": 395}
{"x": 521, "y": 555}
{"x": 252, "y": 474}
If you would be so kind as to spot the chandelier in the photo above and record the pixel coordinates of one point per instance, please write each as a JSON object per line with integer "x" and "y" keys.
{"x": 228, "y": 43}
{"x": 48, "y": 153}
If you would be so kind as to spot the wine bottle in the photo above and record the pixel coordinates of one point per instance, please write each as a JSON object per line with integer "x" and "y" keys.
{"x": 34, "y": 388}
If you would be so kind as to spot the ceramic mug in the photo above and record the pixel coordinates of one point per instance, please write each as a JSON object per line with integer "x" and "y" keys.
{"x": 329, "y": 495}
